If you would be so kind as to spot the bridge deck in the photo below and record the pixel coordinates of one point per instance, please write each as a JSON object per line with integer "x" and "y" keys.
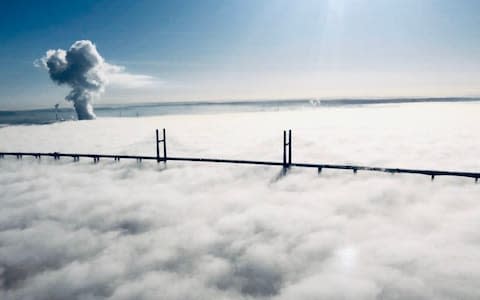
{"x": 319, "y": 167}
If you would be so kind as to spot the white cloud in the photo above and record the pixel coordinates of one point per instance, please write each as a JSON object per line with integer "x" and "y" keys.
{"x": 119, "y": 78}
{"x": 201, "y": 231}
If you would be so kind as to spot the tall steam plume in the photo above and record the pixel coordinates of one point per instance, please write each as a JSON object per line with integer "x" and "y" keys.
{"x": 87, "y": 73}
{"x": 83, "y": 69}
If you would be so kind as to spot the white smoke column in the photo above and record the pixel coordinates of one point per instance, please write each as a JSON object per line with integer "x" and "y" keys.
{"x": 83, "y": 69}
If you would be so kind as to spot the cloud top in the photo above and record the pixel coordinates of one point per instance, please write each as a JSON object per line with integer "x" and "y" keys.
{"x": 203, "y": 231}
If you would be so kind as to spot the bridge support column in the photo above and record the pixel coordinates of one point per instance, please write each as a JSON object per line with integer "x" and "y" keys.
{"x": 164, "y": 142}
{"x": 287, "y": 149}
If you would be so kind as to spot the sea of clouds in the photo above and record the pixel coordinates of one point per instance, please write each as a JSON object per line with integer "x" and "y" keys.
{"x": 202, "y": 231}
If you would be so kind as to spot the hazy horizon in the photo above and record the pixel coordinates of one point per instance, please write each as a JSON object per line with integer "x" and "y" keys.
{"x": 362, "y": 100}
{"x": 50, "y": 115}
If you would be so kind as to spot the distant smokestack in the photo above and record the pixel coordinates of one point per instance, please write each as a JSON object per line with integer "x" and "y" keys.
{"x": 56, "y": 111}
{"x": 83, "y": 69}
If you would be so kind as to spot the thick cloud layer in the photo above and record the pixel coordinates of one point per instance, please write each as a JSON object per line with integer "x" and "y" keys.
{"x": 86, "y": 72}
{"x": 196, "y": 231}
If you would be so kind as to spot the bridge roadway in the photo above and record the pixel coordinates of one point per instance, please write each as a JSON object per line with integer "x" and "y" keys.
{"x": 319, "y": 167}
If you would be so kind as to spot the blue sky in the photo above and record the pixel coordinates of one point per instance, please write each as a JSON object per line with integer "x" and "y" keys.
{"x": 249, "y": 49}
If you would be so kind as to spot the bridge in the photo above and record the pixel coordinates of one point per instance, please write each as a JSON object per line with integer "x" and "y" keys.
{"x": 161, "y": 144}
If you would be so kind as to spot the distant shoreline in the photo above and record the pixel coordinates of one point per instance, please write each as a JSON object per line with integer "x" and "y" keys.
{"x": 48, "y": 115}
{"x": 282, "y": 102}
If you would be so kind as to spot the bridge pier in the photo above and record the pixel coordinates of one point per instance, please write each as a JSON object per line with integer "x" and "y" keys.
{"x": 164, "y": 142}
{"x": 287, "y": 147}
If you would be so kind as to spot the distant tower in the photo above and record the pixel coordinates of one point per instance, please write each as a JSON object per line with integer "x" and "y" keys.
{"x": 56, "y": 111}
